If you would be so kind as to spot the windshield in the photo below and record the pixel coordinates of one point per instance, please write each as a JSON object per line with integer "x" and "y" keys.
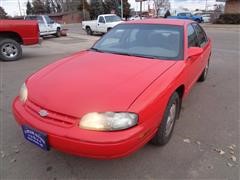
{"x": 144, "y": 40}
{"x": 112, "y": 19}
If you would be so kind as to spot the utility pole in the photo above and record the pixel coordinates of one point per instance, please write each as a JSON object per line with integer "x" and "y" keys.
{"x": 19, "y": 8}
{"x": 83, "y": 1}
{"x": 122, "y": 9}
{"x": 206, "y": 6}
{"x": 140, "y": 9}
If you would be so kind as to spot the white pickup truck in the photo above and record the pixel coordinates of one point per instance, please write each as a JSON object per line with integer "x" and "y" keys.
{"x": 47, "y": 26}
{"x": 104, "y": 23}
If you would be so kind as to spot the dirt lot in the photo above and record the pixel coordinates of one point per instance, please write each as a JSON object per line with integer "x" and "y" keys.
{"x": 209, "y": 123}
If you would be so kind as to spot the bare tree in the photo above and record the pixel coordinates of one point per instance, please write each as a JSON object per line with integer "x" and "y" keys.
{"x": 158, "y": 4}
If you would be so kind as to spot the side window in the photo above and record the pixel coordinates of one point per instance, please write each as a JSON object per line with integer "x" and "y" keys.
{"x": 202, "y": 37}
{"x": 101, "y": 19}
{"x": 192, "y": 37}
{"x": 40, "y": 19}
{"x": 47, "y": 19}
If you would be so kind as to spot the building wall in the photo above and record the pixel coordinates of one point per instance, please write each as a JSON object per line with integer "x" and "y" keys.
{"x": 232, "y": 6}
{"x": 68, "y": 18}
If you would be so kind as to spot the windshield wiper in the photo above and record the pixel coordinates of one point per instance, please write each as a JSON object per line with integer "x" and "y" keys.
{"x": 97, "y": 50}
{"x": 130, "y": 54}
{"x": 135, "y": 55}
{"x": 145, "y": 56}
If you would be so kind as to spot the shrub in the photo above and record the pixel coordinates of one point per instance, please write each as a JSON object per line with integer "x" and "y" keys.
{"x": 228, "y": 19}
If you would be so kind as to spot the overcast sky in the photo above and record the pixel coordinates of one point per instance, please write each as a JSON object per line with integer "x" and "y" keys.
{"x": 12, "y": 7}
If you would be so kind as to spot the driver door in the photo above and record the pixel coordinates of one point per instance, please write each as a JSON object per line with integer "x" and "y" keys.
{"x": 49, "y": 24}
{"x": 101, "y": 24}
{"x": 42, "y": 25}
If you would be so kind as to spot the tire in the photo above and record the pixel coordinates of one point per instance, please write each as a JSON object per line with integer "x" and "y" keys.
{"x": 204, "y": 74}
{"x": 58, "y": 32}
{"x": 89, "y": 31}
{"x": 166, "y": 127}
{"x": 198, "y": 21}
{"x": 109, "y": 29}
{"x": 10, "y": 50}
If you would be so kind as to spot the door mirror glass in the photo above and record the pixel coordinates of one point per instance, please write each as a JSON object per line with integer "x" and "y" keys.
{"x": 194, "y": 51}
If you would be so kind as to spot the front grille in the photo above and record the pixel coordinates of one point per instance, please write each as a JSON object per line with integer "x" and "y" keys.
{"x": 52, "y": 117}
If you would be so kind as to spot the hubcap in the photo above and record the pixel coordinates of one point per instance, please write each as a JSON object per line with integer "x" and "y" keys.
{"x": 171, "y": 119}
{"x": 9, "y": 50}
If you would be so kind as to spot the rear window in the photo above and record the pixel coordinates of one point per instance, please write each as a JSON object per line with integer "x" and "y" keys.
{"x": 38, "y": 18}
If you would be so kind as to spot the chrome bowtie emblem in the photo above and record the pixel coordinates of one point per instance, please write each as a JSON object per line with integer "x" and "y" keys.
{"x": 43, "y": 113}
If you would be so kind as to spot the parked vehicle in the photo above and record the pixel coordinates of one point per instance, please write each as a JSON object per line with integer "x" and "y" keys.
{"x": 187, "y": 15}
{"x": 47, "y": 26}
{"x": 104, "y": 23}
{"x": 13, "y": 34}
{"x": 137, "y": 17}
{"x": 206, "y": 18}
{"x": 110, "y": 100}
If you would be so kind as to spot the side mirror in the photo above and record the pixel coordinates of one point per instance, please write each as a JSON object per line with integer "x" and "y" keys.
{"x": 194, "y": 51}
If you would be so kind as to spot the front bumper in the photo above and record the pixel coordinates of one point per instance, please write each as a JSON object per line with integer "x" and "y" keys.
{"x": 93, "y": 144}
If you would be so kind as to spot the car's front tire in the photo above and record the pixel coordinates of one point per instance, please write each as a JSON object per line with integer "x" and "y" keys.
{"x": 10, "y": 50}
{"x": 166, "y": 127}
{"x": 198, "y": 21}
{"x": 58, "y": 32}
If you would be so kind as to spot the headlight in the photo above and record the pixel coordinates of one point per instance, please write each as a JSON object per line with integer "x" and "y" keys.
{"x": 23, "y": 93}
{"x": 108, "y": 121}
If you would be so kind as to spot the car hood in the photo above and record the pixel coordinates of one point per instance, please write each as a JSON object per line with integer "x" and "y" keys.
{"x": 93, "y": 82}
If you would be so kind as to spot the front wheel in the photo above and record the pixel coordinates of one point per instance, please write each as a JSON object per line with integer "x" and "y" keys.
{"x": 10, "y": 50}
{"x": 58, "y": 32}
{"x": 165, "y": 130}
{"x": 198, "y": 20}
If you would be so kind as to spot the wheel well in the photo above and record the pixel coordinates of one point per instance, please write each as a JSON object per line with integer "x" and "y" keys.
{"x": 58, "y": 28}
{"x": 11, "y": 35}
{"x": 180, "y": 91}
{"x": 88, "y": 27}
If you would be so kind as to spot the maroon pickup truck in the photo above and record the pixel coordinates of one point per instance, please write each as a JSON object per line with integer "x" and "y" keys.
{"x": 13, "y": 34}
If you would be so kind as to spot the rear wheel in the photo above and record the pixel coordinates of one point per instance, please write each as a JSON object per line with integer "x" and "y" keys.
{"x": 203, "y": 76}
{"x": 165, "y": 130}
{"x": 89, "y": 31}
{"x": 10, "y": 50}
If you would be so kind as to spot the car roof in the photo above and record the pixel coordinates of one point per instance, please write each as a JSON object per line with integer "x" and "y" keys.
{"x": 178, "y": 22}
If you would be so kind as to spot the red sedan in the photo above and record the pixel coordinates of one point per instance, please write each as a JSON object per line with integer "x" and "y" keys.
{"x": 125, "y": 91}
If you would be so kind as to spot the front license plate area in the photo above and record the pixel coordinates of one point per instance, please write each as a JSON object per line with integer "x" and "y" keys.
{"x": 36, "y": 137}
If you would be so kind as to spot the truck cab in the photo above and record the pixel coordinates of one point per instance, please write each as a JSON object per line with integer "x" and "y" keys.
{"x": 47, "y": 26}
